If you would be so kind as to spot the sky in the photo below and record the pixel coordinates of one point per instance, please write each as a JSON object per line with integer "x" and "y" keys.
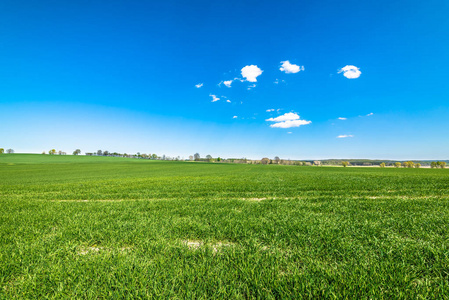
{"x": 294, "y": 79}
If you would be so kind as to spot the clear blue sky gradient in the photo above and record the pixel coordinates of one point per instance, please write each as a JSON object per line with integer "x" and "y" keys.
{"x": 121, "y": 76}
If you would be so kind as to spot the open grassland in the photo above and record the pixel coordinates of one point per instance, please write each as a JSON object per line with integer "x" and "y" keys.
{"x": 101, "y": 227}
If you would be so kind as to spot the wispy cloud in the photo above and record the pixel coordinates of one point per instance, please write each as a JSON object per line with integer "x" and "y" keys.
{"x": 214, "y": 98}
{"x": 342, "y": 136}
{"x": 198, "y": 85}
{"x": 251, "y": 73}
{"x": 287, "y": 120}
{"x": 271, "y": 109}
{"x": 341, "y": 118}
{"x": 227, "y": 100}
{"x": 227, "y": 83}
{"x": 234, "y": 117}
{"x": 289, "y": 68}
{"x": 350, "y": 72}
{"x": 251, "y": 86}
{"x": 370, "y": 114}
{"x": 277, "y": 81}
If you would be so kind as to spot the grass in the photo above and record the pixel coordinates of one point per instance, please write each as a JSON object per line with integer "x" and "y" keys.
{"x": 100, "y": 227}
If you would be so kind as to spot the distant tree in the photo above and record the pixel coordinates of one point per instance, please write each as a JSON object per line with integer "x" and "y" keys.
{"x": 442, "y": 164}
{"x": 417, "y": 165}
{"x": 154, "y": 156}
{"x": 433, "y": 164}
{"x": 196, "y": 156}
{"x": 106, "y": 153}
{"x": 52, "y": 152}
{"x": 382, "y": 165}
{"x": 265, "y": 161}
{"x": 2, "y": 150}
{"x": 345, "y": 163}
{"x": 99, "y": 152}
{"x": 43, "y": 152}
{"x": 408, "y": 164}
{"x": 208, "y": 157}
{"x": 277, "y": 159}
{"x": 218, "y": 158}
{"x": 9, "y": 151}
{"x": 76, "y": 152}
{"x": 397, "y": 164}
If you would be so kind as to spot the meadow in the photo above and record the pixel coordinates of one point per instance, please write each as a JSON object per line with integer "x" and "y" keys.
{"x": 104, "y": 227}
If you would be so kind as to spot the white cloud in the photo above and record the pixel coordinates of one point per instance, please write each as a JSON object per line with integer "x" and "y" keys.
{"x": 251, "y": 72}
{"x": 350, "y": 72}
{"x": 198, "y": 85}
{"x": 251, "y": 86}
{"x": 289, "y": 132}
{"x": 271, "y": 109}
{"x": 342, "y": 136}
{"x": 284, "y": 117}
{"x": 229, "y": 101}
{"x": 287, "y": 120}
{"x": 342, "y": 118}
{"x": 370, "y": 114}
{"x": 289, "y": 68}
{"x": 228, "y": 83}
{"x": 290, "y": 123}
{"x": 234, "y": 117}
{"x": 214, "y": 98}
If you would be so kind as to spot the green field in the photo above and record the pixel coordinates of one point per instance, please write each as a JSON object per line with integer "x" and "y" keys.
{"x": 103, "y": 227}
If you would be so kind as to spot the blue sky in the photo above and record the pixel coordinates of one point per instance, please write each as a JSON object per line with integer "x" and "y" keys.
{"x": 123, "y": 75}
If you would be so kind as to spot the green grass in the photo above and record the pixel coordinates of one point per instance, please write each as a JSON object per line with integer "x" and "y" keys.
{"x": 100, "y": 227}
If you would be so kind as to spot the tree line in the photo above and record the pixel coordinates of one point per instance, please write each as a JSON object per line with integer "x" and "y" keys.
{"x": 9, "y": 151}
{"x": 263, "y": 161}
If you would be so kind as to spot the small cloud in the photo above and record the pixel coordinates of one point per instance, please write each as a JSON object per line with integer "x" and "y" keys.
{"x": 251, "y": 72}
{"x": 289, "y": 132}
{"x": 198, "y": 85}
{"x": 342, "y": 136}
{"x": 290, "y": 123}
{"x": 234, "y": 117}
{"x": 370, "y": 114}
{"x": 227, "y": 83}
{"x": 287, "y": 120}
{"x": 350, "y": 72}
{"x": 284, "y": 117}
{"x": 251, "y": 86}
{"x": 214, "y": 98}
{"x": 340, "y": 118}
{"x": 229, "y": 101}
{"x": 271, "y": 109}
{"x": 277, "y": 81}
{"x": 289, "y": 68}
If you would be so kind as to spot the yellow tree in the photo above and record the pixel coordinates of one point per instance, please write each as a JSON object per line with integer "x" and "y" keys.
{"x": 382, "y": 165}
{"x": 2, "y": 150}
